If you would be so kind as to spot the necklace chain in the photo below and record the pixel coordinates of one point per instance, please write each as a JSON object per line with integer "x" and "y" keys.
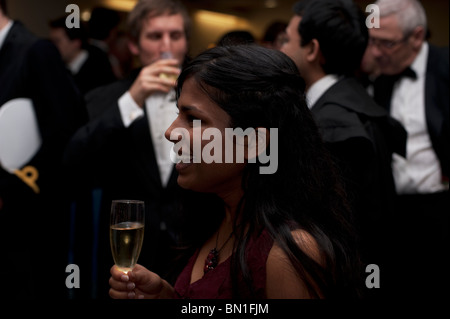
{"x": 226, "y": 241}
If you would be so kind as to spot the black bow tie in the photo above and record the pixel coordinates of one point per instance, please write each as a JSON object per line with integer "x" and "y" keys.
{"x": 408, "y": 73}
{"x": 384, "y": 85}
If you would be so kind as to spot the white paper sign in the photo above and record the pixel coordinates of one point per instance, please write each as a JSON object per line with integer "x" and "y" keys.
{"x": 20, "y": 138}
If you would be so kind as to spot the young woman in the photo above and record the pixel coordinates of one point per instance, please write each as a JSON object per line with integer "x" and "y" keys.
{"x": 284, "y": 234}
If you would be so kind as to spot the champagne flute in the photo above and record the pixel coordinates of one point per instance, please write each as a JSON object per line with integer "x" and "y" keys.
{"x": 126, "y": 232}
{"x": 164, "y": 56}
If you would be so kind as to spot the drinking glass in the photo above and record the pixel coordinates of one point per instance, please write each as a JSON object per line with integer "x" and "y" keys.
{"x": 164, "y": 56}
{"x": 126, "y": 232}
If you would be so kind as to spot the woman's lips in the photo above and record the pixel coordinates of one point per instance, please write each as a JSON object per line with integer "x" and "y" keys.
{"x": 181, "y": 161}
{"x": 182, "y": 166}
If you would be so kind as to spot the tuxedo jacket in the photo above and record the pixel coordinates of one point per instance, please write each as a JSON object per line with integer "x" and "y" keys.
{"x": 123, "y": 164}
{"x": 96, "y": 71}
{"x": 361, "y": 138}
{"x": 436, "y": 103}
{"x": 32, "y": 68}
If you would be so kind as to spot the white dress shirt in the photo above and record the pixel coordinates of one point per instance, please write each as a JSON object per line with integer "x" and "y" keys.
{"x": 78, "y": 62}
{"x": 162, "y": 111}
{"x": 420, "y": 172}
{"x": 319, "y": 88}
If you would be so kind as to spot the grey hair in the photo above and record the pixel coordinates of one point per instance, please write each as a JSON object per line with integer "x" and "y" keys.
{"x": 410, "y": 13}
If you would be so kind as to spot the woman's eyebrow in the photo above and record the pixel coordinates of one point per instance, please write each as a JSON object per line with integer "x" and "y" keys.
{"x": 186, "y": 108}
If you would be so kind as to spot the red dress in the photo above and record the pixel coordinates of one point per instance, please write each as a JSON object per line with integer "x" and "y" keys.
{"x": 217, "y": 283}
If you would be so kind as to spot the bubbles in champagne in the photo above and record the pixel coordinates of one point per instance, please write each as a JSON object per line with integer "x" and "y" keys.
{"x": 126, "y": 243}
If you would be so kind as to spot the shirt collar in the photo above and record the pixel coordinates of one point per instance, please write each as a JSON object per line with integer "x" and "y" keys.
{"x": 420, "y": 63}
{"x": 319, "y": 88}
{"x": 78, "y": 62}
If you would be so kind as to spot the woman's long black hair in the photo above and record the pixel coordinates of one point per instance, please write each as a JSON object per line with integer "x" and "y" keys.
{"x": 259, "y": 87}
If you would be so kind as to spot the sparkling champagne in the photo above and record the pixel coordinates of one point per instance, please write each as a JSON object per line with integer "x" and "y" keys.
{"x": 126, "y": 243}
{"x": 173, "y": 77}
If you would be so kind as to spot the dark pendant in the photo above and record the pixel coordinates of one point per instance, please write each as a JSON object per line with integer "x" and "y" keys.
{"x": 211, "y": 261}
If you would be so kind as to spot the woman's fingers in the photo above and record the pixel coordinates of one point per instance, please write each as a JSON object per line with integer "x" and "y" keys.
{"x": 121, "y": 286}
{"x": 118, "y": 274}
{"x": 136, "y": 284}
{"x": 115, "y": 294}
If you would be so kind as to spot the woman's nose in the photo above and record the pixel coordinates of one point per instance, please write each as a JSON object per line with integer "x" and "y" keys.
{"x": 173, "y": 133}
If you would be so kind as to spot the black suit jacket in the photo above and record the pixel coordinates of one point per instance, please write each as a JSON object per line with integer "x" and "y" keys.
{"x": 32, "y": 68}
{"x": 96, "y": 71}
{"x": 436, "y": 102}
{"x": 124, "y": 165}
{"x": 358, "y": 134}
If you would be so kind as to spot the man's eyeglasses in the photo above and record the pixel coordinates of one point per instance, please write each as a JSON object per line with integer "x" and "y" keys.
{"x": 386, "y": 44}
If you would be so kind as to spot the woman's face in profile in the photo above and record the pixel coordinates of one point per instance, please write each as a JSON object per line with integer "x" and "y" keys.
{"x": 198, "y": 117}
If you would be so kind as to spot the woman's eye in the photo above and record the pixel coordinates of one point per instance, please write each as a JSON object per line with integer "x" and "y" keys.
{"x": 191, "y": 118}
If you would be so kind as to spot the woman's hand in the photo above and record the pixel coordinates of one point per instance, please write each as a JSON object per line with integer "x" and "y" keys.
{"x": 140, "y": 283}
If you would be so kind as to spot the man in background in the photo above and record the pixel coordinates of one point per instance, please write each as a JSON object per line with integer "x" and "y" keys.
{"x": 34, "y": 208}
{"x": 103, "y": 31}
{"x": 327, "y": 40}
{"x": 124, "y": 146}
{"x": 413, "y": 87}
{"x": 88, "y": 64}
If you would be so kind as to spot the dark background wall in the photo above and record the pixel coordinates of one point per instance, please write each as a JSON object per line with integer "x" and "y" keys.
{"x": 211, "y": 18}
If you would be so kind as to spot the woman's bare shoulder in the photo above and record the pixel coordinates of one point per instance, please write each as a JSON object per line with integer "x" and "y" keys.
{"x": 282, "y": 280}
